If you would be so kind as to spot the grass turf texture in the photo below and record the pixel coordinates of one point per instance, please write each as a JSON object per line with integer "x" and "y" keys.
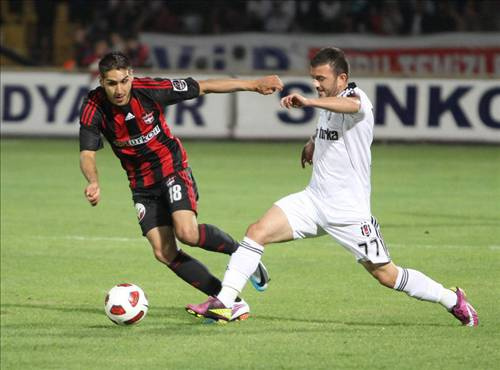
{"x": 438, "y": 207}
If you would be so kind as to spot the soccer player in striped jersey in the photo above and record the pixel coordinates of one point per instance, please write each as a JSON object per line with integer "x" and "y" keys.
{"x": 129, "y": 113}
{"x": 336, "y": 201}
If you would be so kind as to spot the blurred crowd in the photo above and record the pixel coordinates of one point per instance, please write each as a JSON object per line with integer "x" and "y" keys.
{"x": 384, "y": 17}
{"x": 99, "y": 26}
{"x": 115, "y": 24}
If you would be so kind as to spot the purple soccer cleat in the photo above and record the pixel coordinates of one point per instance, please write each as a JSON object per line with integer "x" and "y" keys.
{"x": 463, "y": 310}
{"x": 214, "y": 310}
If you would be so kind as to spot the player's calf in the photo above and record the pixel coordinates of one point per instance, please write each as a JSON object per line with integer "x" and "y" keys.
{"x": 386, "y": 273}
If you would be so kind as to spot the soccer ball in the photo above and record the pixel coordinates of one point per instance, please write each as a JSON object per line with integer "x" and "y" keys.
{"x": 126, "y": 304}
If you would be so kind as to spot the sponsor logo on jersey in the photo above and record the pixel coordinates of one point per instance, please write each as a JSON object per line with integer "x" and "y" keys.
{"x": 129, "y": 116}
{"x": 141, "y": 211}
{"x": 328, "y": 134}
{"x": 365, "y": 229}
{"x": 143, "y": 139}
{"x": 179, "y": 85}
{"x": 148, "y": 118}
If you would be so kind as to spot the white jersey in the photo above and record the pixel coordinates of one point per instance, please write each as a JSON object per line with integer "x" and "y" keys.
{"x": 340, "y": 182}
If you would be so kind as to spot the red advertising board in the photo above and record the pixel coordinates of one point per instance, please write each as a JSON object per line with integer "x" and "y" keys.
{"x": 424, "y": 61}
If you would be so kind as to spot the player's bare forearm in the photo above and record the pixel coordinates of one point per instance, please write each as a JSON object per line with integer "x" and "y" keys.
{"x": 89, "y": 169}
{"x": 307, "y": 152}
{"x": 266, "y": 85}
{"x": 88, "y": 166}
{"x": 337, "y": 104}
{"x": 332, "y": 103}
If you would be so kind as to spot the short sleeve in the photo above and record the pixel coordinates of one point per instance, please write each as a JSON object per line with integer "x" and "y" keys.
{"x": 90, "y": 133}
{"x": 168, "y": 91}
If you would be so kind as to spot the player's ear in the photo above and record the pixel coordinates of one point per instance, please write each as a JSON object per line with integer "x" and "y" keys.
{"x": 131, "y": 73}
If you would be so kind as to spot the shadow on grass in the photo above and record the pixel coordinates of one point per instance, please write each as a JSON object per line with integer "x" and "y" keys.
{"x": 177, "y": 318}
{"x": 51, "y": 307}
{"x": 165, "y": 311}
{"x": 347, "y": 323}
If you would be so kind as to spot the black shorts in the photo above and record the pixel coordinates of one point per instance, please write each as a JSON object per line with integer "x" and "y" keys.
{"x": 155, "y": 205}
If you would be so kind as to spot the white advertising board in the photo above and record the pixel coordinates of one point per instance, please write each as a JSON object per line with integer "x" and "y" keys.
{"x": 404, "y": 109}
{"x": 48, "y": 104}
{"x": 464, "y": 110}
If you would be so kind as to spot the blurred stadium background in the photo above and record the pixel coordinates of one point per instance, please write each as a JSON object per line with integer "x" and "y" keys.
{"x": 431, "y": 67}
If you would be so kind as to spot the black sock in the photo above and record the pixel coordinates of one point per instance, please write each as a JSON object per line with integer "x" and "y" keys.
{"x": 214, "y": 239}
{"x": 195, "y": 273}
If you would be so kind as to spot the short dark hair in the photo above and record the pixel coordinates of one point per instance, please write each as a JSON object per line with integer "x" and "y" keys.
{"x": 335, "y": 57}
{"x": 113, "y": 60}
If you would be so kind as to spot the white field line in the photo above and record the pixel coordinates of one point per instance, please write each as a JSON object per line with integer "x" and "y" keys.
{"x": 87, "y": 238}
{"x": 123, "y": 239}
{"x": 444, "y": 246}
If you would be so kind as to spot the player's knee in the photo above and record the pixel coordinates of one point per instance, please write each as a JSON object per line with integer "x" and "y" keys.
{"x": 257, "y": 232}
{"x": 165, "y": 254}
{"x": 187, "y": 235}
{"x": 160, "y": 256}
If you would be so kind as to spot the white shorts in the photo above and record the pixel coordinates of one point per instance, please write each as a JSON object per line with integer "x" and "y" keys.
{"x": 363, "y": 239}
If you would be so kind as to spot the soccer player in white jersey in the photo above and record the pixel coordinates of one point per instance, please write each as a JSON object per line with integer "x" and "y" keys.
{"x": 336, "y": 201}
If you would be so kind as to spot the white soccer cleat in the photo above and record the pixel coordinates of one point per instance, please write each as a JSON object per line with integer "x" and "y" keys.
{"x": 240, "y": 311}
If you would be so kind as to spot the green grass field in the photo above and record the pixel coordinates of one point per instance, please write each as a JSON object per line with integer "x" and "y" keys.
{"x": 439, "y": 211}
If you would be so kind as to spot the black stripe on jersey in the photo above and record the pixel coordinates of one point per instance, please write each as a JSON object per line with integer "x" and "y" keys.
{"x": 171, "y": 144}
{"x": 110, "y": 136}
{"x": 88, "y": 112}
{"x": 144, "y": 151}
{"x": 376, "y": 227}
{"x": 173, "y": 147}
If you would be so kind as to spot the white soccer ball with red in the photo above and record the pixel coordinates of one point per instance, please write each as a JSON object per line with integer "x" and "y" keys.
{"x": 126, "y": 304}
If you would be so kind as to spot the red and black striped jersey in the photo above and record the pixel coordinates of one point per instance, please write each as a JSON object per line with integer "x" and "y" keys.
{"x": 138, "y": 132}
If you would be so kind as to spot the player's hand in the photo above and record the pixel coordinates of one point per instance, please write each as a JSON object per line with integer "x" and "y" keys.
{"x": 269, "y": 84}
{"x": 307, "y": 154}
{"x": 92, "y": 193}
{"x": 294, "y": 101}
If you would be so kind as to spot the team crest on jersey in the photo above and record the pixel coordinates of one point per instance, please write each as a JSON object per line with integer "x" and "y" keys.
{"x": 170, "y": 181}
{"x": 141, "y": 211}
{"x": 148, "y": 118}
{"x": 365, "y": 229}
{"x": 179, "y": 85}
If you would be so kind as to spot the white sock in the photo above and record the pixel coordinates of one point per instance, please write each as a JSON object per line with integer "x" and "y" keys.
{"x": 242, "y": 265}
{"x": 422, "y": 287}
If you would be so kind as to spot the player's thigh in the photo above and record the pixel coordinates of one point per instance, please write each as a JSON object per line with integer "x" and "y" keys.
{"x": 180, "y": 194}
{"x": 179, "y": 191}
{"x": 298, "y": 216}
{"x": 162, "y": 240}
{"x": 362, "y": 239}
{"x": 151, "y": 209}
{"x": 273, "y": 227}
